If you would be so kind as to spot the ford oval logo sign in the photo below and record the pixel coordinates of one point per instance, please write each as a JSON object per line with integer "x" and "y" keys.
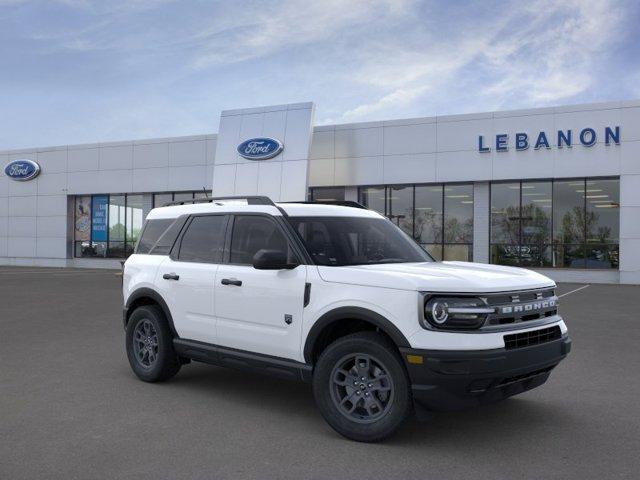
{"x": 22, "y": 170}
{"x": 260, "y": 148}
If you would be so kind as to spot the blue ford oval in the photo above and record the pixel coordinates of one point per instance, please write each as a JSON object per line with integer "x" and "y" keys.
{"x": 260, "y": 148}
{"x": 22, "y": 170}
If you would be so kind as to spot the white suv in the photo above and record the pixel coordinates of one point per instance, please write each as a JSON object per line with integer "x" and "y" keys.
{"x": 339, "y": 296}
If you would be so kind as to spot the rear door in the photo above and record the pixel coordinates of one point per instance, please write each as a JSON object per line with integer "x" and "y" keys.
{"x": 259, "y": 310}
{"x": 187, "y": 277}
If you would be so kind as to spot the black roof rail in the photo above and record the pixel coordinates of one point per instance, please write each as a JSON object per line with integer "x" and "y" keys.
{"x": 341, "y": 203}
{"x": 251, "y": 200}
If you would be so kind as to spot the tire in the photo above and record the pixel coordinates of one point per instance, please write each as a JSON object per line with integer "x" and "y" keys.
{"x": 365, "y": 411}
{"x": 149, "y": 345}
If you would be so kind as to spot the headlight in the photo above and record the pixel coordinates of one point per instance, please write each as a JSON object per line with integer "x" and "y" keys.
{"x": 455, "y": 312}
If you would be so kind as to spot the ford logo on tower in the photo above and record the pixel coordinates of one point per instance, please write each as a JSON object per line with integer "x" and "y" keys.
{"x": 260, "y": 148}
{"x": 22, "y": 170}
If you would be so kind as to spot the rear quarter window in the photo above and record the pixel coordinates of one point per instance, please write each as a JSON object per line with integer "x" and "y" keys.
{"x": 152, "y": 232}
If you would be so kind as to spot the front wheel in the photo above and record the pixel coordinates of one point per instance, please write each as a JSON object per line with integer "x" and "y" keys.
{"x": 362, "y": 388}
{"x": 150, "y": 345}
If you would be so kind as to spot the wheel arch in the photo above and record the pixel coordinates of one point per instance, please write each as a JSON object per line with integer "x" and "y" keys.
{"x": 147, "y": 296}
{"x": 330, "y": 320}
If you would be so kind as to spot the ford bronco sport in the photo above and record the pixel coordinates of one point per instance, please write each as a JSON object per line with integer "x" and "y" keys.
{"x": 338, "y": 296}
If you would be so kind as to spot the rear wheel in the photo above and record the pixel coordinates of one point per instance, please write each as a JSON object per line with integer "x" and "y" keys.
{"x": 149, "y": 345}
{"x": 361, "y": 387}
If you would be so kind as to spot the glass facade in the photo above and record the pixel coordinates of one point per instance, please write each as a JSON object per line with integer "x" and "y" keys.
{"x": 439, "y": 217}
{"x": 160, "y": 199}
{"x": 561, "y": 223}
{"x": 321, "y": 194}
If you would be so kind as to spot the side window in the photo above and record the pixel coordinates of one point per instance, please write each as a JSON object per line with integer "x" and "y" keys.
{"x": 153, "y": 229}
{"x": 203, "y": 241}
{"x": 168, "y": 238}
{"x": 252, "y": 233}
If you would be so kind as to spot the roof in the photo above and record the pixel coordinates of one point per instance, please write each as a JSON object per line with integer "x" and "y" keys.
{"x": 235, "y": 206}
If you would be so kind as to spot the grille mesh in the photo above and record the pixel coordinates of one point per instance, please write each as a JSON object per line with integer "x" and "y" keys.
{"x": 534, "y": 337}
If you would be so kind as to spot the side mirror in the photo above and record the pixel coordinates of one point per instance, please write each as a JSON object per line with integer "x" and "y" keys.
{"x": 272, "y": 260}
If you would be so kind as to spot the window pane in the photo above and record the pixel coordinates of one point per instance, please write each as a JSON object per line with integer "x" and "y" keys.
{"x": 116, "y": 249}
{"x": 161, "y": 199}
{"x": 327, "y": 194}
{"x": 603, "y": 211}
{"x": 428, "y": 215}
{"x": 201, "y": 195}
{"x": 569, "y": 256}
{"x": 116, "y": 220}
{"x": 168, "y": 238}
{"x": 602, "y": 256}
{"x": 253, "y": 233}
{"x": 458, "y": 214}
{"x": 181, "y": 196}
{"x": 505, "y": 254}
{"x": 536, "y": 255}
{"x": 83, "y": 219}
{"x": 152, "y": 231}
{"x": 134, "y": 219}
{"x": 536, "y": 213}
{"x": 401, "y": 208}
{"x": 435, "y": 250}
{"x": 568, "y": 211}
{"x": 505, "y": 213}
{"x": 460, "y": 253}
{"x": 373, "y": 198}
{"x": 204, "y": 240}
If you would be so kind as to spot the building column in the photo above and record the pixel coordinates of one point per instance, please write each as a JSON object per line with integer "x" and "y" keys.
{"x": 630, "y": 229}
{"x": 481, "y": 216}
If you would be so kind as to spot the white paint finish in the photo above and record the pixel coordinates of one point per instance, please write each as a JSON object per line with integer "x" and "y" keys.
{"x": 51, "y": 247}
{"x": 274, "y": 124}
{"x": 423, "y": 166}
{"x": 630, "y": 157}
{"x": 270, "y": 178}
{"x": 528, "y": 163}
{"x": 629, "y": 278}
{"x": 4, "y": 180}
{"x": 150, "y": 180}
{"x": 630, "y": 254}
{"x": 83, "y": 159}
{"x": 596, "y": 119}
{"x": 52, "y": 184}
{"x": 51, "y": 205}
{"x": 21, "y": 247}
{"x": 118, "y": 157}
{"x": 532, "y": 125}
{"x": 456, "y": 136}
{"x": 22, "y": 227}
{"x": 4, "y": 206}
{"x": 481, "y": 216}
{"x": 358, "y": 125}
{"x": 115, "y": 181}
{"x": 418, "y": 138}
{"x": 364, "y": 142}
{"x": 54, "y": 161}
{"x": 151, "y": 155}
{"x": 53, "y": 226}
{"x": 185, "y": 178}
{"x": 83, "y": 182}
{"x": 359, "y": 171}
{"x": 630, "y": 124}
{"x": 251, "y": 126}
{"x": 294, "y": 181}
{"x": 629, "y": 221}
{"x": 3, "y": 248}
{"x": 224, "y": 179}
{"x": 22, "y": 206}
{"x": 297, "y": 138}
{"x": 247, "y": 179}
{"x": 409, "y": 121}
{"x": 457, "y": 167}
{"x": 630, "y": 191}
{"x": 321, "y": 172}
{"x": 322, "y": 145}
{"x": 209, "y": 179}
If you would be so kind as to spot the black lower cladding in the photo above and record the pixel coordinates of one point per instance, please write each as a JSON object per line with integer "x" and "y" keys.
{"x": 451, "y": 380}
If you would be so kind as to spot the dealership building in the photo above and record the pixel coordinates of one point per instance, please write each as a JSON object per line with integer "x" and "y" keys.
{"x": 553, "y": 189}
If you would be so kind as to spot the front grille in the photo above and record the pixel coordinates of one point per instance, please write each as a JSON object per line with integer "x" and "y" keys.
{"x": 526, "y": 306}
{"x": 534, "y": 337}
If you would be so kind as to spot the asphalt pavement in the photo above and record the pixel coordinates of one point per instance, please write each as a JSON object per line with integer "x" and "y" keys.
{"x": 70, "y": 408}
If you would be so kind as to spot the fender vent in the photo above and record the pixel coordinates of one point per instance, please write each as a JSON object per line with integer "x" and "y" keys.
{"x": 534, "y": 337}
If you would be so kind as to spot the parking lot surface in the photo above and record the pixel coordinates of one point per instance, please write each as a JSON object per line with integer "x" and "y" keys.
{"x": 71, "y": 408}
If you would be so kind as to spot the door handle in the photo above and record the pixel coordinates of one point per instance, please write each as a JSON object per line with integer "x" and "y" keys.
{"x": 171, "y": 276}
{"x": 231, "y": 281}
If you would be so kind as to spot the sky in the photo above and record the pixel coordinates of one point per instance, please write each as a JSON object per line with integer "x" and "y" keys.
{"x": 80, "y": 71}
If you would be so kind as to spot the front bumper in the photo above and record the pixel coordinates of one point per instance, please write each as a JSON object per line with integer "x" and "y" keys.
{"x": 451, "y": 380}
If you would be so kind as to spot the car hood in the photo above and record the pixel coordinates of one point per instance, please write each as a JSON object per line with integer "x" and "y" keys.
{"x": 438, "y": 277}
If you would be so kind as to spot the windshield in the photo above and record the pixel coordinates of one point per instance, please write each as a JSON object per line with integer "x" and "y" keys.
{"x": 340, "y": 241}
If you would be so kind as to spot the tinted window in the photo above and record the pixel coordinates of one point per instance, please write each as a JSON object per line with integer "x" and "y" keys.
{"x": 204, "y": 240}
{"x": 152, "y": 231}
{"x": 338, "y": 241}
{"x": 253, "y": 233}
